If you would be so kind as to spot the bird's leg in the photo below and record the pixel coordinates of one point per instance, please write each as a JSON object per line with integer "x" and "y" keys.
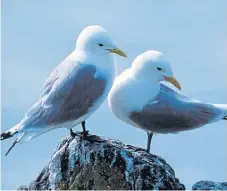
{"x": 85, "y": 133}
{"x": 72, "y": 133}
{"x": 149, "y": 137}
{"x": 14, "y": 143}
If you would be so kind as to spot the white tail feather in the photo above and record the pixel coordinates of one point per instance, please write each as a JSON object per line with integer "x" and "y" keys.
{"x": 29, "y": 135}
{"x": 14, "y": 129}
{"x": 224, "y": 107}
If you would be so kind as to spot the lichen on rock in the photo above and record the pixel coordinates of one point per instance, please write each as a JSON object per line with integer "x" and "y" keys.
{"x": 100, "y": 163}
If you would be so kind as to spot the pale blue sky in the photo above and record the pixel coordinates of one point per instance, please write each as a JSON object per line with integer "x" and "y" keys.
{"x": 39, "y": 34}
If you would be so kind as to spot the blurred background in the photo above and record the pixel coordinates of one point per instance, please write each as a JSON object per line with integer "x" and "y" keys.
{"x": 37, "y": 35}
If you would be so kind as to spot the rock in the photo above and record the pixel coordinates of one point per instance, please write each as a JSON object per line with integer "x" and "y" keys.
{"x": 22, "y": 188}
{"x": 100, "y": 163}
{"x": 209, "y": 185}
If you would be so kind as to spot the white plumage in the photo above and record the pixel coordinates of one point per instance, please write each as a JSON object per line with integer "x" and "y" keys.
{"x": 139, "y": 99}
{"x": 75, "y": 89}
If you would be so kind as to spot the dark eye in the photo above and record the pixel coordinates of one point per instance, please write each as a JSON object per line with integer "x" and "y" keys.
{"x": 159, "y": 68}
{"x": 100, "y": 44}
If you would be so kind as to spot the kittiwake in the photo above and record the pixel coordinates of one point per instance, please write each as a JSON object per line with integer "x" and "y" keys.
{"x": 140, "y": 100}
{"x": 74, "y": 90}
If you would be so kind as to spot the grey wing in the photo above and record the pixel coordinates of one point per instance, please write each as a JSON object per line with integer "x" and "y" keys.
{"x": 54, "y": 76}
{"x": 70, "y": 97}
{"x": 59, "y": 72}
{"x": 174, "y": 112}
{"x": 50, "y": 82}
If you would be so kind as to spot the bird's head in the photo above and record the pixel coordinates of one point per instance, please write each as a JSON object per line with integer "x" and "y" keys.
{"x": 96, "y": 39}
{"x": 153, "y": 66}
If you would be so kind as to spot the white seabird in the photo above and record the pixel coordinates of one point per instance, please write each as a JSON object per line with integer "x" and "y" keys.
{"x": 140, "y": 100}
{"x": 75, "y": 89}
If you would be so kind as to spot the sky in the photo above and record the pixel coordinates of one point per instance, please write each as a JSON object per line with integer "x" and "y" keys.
{"x": 38, "y": 35}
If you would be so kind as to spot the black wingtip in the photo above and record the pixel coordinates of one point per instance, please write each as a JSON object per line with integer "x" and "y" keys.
{"x": 225, "y": 118}
{"x": 6, "y": 135}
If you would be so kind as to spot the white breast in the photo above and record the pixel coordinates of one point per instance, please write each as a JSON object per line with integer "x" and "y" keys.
{"x": 128, "y": 95}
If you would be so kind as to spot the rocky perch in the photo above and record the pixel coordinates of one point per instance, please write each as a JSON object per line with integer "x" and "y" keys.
{"x": 100, "y": 163}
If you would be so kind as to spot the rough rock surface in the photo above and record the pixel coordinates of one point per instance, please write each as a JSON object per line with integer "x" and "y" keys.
{"x": 209, "y": 185}
{"x": 104, "y": 164}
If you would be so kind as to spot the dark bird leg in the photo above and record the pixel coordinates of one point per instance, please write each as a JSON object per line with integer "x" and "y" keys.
{"x": 14, "y": 143}
{"x": 85, "y": 133}
{"x": 149, "y": 138}
{"x": 72, "y": 133}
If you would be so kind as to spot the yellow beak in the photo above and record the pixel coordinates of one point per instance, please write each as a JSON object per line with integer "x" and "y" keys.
{"x": 118, "y": 51}
{"x": 173, "y": 81}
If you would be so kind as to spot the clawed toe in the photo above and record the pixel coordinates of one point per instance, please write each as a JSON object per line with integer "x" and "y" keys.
{"x": 72, "y": 133}
{"x": 85, "y": 134}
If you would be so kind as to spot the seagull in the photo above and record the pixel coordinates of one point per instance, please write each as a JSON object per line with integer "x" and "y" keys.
{"x": 74, "y": 90}
{"x": 139, "y": 99}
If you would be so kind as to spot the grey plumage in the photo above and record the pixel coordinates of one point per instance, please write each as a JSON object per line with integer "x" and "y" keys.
{"x": 72, "y": 97}
{"x": 172, "y": 112}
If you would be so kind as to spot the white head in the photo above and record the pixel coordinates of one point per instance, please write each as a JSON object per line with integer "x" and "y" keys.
{"x": 154, "y": 67}
{"x": 96, "y": 40}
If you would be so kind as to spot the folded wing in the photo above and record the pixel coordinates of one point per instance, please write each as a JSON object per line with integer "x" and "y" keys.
{"x": 173, "y": 112}
{"x": 67, "y": 96}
